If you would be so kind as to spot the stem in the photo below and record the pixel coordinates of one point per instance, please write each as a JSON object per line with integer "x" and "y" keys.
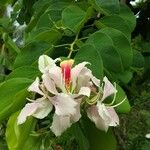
{"x": 61, "y": 45}
{"x": 72, "y": 45}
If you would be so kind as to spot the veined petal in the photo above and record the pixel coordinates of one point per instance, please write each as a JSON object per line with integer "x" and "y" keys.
{"x": 44, "y": 108}
{"x": 49, "y": 83}
{"x": 108, "y": 114}
{"x": 93, "y": 114}
{"x": 84, "y": 78}
{"x": 85, "y": 91}
{"x": 96, "y": 81}
{"x": 44, "y": 62}
{"x": 60, "y": 124}
{"x": 55, "y": 74}
{"x": 39, "y": 109}
{"x": 77, "y": 115}
{"x": 64, "y": 104}
{"x": 34, "y": 87}
{"x": 28, "y": 110}
{"x": 103, "y": 112}
{"x": 75, "y": 73}
{"x": 109, "y": 89}
{"x": 113, "y": 115}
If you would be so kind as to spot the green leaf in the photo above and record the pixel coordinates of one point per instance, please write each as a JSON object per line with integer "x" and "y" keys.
{"x": 12, "y": 96}
{"x": 80, "y": 137}
{"x": 11, "y": 45}
{"x": 17, "y": 135}
{"x": 90, "y": 54}
{"x": 3, "y": 2}
{"x": 121, "y": 44}
{"x": 125, "y": 77}
{"x": 49, "y": 36}
{"x": 120, "y": 96}
{"x": 34, "y": 143}
{"x": 52, "y": 14}
{"x": 106, "y": 48}
{"x": 47, "y": 13}
{"x": 99, "y": 140}
{"x": 73, "y": 17}
{"x": 30, "y": 53}
{"x": 116, "y": 22}
{"x": 128, "y": 16}
{"x": 107, "y": 6}
{"x": 138, "y": 60}
{"x": 24, "y": 72}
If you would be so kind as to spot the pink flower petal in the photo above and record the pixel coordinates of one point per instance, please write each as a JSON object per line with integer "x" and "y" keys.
{"x": 49, "y": 83}
{"x": 45, "y": 62}
{"x": 55, "y": 74}
{"x": 60, "y": 124}
{"x": 75, "y": 73}
{"x": 40, "y": 108}
{"x": 34, "y": 87}
{"x": 93, "y": 114}
{"x": 85, "y": 91}
{"x": 109, "y": 89}
{"x": 64, "y": 104}
{"x": 114, "y": 117}
{"x": 28, "y": 110}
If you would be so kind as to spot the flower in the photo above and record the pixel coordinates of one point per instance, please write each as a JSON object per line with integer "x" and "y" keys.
{"x": 101, "y": 114}
{"x": 62, "y": 88}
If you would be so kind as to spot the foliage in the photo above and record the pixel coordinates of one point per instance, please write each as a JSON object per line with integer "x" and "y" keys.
{"x": 97, "y": 31}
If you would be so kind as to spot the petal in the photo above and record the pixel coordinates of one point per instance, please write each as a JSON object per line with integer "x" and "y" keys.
{"x": 109, "y": 89}
{"x": 55, "y": 74}
{"x": 40, "y": 108}
{"x": 84, "y": 77}
{"x": 49, "y": 83}
{"x": 44, "y": 62}
{"x": 77, "y": 115}
{"x": 96, "y": 81}
{"x": 75, "y": 73}
{"x": 60, "y": 124}
{"x": 28, "y": 110}
{"x": 114, "y": 117}
{"x": 103, "y": 112}
{"x": 93, "y": 114}
{"x": 44, "y": 108}
{"x": 85, "y": 91}
{"x": 34, "y": 87}
{"x": 108, "y": 114}
{"x": 64, "y": 104}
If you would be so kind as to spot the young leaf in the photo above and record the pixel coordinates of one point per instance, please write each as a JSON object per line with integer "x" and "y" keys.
{"x": 17, "y": 135}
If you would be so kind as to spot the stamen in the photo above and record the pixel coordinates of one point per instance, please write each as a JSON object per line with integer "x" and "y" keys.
{"x": 119, "y": 103}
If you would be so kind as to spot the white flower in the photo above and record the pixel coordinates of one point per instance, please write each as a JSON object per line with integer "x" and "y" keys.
{"x": 102, "y": 115}
{"x": 62, "y": 88}
{"x": 147, "y": 136}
